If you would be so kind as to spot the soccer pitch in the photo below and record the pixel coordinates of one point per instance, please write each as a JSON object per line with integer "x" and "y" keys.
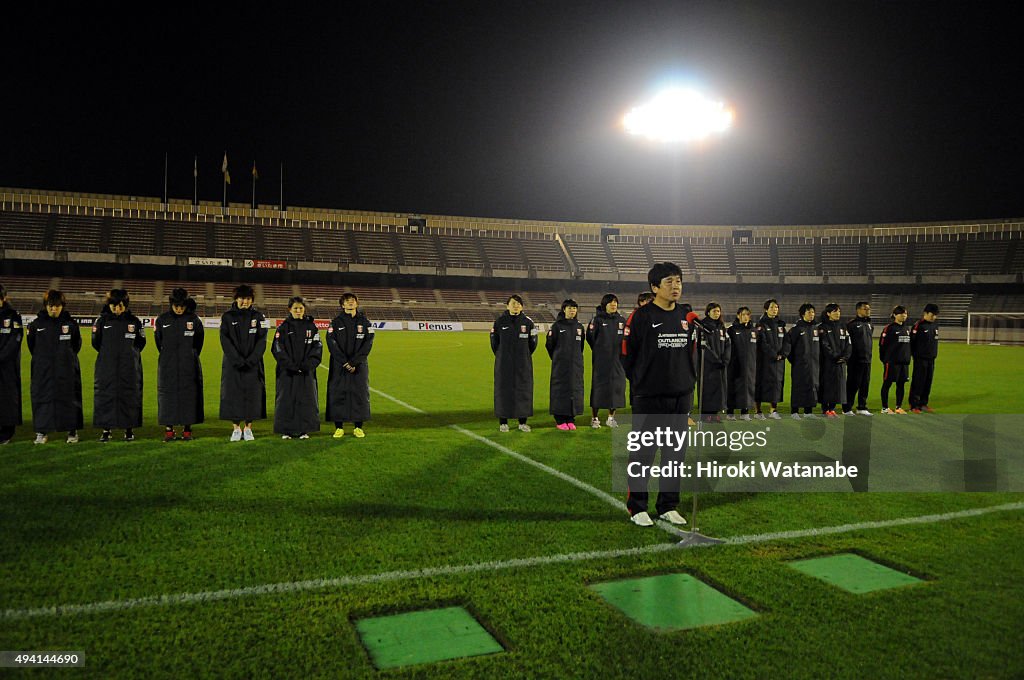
{"x": 260, "y": 559}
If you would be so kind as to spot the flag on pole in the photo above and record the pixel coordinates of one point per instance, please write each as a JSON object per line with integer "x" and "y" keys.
{"x": 255, "y": 175}
{"x": 224, "y": 169}
{"x": 195, "y": 166}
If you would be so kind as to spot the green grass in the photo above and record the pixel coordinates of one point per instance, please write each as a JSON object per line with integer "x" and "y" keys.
{"x": 93, "y": 523}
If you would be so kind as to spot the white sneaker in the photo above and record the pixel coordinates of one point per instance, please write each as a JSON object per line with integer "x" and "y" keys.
{"x": 795, "y": 416}
{"x": 503, "y": 427}
{"x": 40, "y": 438}
{"x": 286, "y": 436}
{"x": 730, "y": 417}
{"x": 887, "y": 411}
{"x": 247, "y": 434}
{"x": 303, "y": 436}
{"x": 523, "y": 427}
{"x": 642, "y": 519}
{"x": 72, "y": 438}
{"x": 760, "y": 416}
{"x": 236, "y": 435}
{"x": 673, "y": 517}
{"x": 811, "y": 416}
{"x": 745, "y": 416}
{"x": 864, "y": 412}
{"x": 849, "y": 413}
{"x": 611, "y": 422}
{"x": 595, "y": 423}
{"x": 775, "y": 416}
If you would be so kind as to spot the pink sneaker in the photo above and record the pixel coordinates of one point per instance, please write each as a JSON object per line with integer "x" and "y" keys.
{"x": 563, "y": 426}
{"x": 572, "y": 426}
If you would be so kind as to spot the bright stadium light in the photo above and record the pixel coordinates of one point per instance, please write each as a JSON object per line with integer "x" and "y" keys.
{"x": 678, "y": 115}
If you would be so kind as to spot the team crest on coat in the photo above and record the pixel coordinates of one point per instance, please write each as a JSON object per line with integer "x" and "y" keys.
{"x": 65, "y": 329}
{"x": 252, "y": 323}
{"x": 522, "y": 329}
{"x": 131, "y": 328}
{"x": 359, "y": 329}
{"x": 621, "y": 325}
{"x": 188, "y": 325}
{"x": 686, "y": 326}
{"x": 7, "y": 323}
{"x": 579, "y": 332}
{"x": 753, "y": 335}
{"x": 815, "y": 332}
{"x": 309, "y": 333}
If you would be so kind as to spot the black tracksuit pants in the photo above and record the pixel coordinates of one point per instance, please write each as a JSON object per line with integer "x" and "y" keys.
{"x": 645, "y": 417}
{"x": 921, "y": 382}
{"x": 857, "y": 382}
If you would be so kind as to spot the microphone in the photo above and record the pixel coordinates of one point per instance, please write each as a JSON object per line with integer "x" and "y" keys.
{"x": 694, "y": 319}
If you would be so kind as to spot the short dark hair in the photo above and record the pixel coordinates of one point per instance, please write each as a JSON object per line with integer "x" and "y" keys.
{"x": 662, "y": 270}
{"x": 608, "y": 297}
{"x": 741, "y": 310}
{"x": 54, "y": 298}
{"x": 898, "y": 309}
{"x": 179, "y": 296}
{"x": 118, "y": 295}
{"x": 932, "y": 308}
{"x": 296, "y": 299}
{"x": 805, "y": 307}
{"x": 569, "y": 303}
{"x": 862, "y": 304}
{"x": 243, "y": 291}
{"x": 768, "y": 303}
{"x": 710, "y": 306}
{"x": 831, "y": 307}
{"x": 646, "y": 296}
{"x": 515, "y": 296}
{"x": 3, "y": 291}
{"x": 348, "y": 296}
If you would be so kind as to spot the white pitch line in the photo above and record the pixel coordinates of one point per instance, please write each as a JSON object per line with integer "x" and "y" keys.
{"x": 454, "y": 570}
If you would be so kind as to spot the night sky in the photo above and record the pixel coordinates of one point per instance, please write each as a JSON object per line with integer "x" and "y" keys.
{"x": 846, "y": 112}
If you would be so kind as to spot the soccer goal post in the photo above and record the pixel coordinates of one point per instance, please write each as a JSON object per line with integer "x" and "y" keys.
{"x": 995, "y": 328}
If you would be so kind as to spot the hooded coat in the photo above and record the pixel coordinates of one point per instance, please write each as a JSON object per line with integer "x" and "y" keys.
{"x": 349, "y": 339}
{"x": 179, "y": 383}
{"x": 11, "y": 334}
{"x": 118, "y": 341}
{"x": 565, "y": 347}
{"x": 243, "y": 383}
{"x": 771, "y": 372}
{"x": 608, "y": 378}
{"x": 513, "y": 341}
{"x": 56, "y": 373}
{"x": 835, "y": 353}
{"x": 742, "y": 372}
{"x": 801, "y": 348}
{"x": 713, "y": 355}
{"x": 298, "y": 351}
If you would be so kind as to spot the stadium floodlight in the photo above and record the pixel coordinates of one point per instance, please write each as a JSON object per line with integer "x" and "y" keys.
{"x": 678, "y": 115}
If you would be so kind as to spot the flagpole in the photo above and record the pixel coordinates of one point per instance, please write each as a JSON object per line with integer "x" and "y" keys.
{"x": 195, "y": 180}
{"x": 281, "y": 204}
{"x": 254, "y": 186}
{"x": 165, "y": 180}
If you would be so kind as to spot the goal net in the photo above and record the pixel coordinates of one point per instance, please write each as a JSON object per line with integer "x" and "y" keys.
{"x": 995, "y": 328}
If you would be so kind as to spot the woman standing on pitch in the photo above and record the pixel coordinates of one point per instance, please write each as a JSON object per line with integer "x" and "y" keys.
{"x": 513, "y": 341}
{"x": 118, "y": 338}
{"x": 835, "y": 352}
{"x": 608, "y": 379}
{"x": 243, "y": 383}
{"x": 894, "y": 352}
{"x": 800, "y": 347}
{"x": 771, "y": 362}
{"x": 11, "y": 333}
{"x": 742, "y": 371}
{"x": 54, "y": 340}
{"x": 565, "y": 347}
{"x": 179, "y": 389}
{"x": 714, "y": 354}
{"x": 298, "y": 351}
{"x": 350, "y": 339}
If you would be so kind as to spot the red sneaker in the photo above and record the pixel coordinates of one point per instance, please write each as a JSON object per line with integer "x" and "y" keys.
{"x": 168, "y": 436}
{"x": 186, "y": 436}
{"x": 928, "y": 409}
{"x": 915, "y": 410}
